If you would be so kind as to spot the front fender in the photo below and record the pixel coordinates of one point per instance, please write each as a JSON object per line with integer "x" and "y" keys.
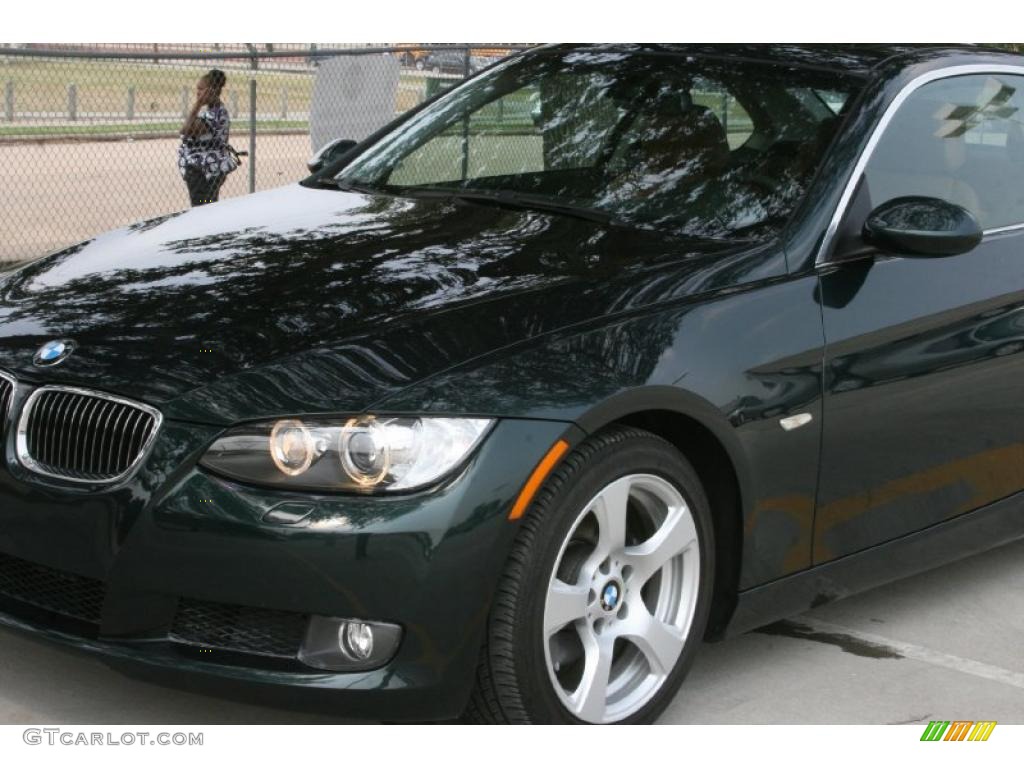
{"x": 736, "y": 363}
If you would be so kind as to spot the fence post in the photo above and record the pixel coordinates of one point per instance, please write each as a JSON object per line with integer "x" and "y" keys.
{"x": 9, "y": 101}
{"x": 284, "y": 103}
{"x": 72, "y": 102}
{"x": 252, "y": 135}
{"x": 184, "y": 102}
{"x": 465, "y": 125}
{"x": 130, "y": 107}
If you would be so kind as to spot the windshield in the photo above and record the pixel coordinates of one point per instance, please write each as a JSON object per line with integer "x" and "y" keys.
{"x": 711, "y": 148}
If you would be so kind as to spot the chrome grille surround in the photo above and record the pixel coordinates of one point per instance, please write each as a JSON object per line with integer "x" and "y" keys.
{"x": 7, "y": 385}
{"x": 84, "y": 425}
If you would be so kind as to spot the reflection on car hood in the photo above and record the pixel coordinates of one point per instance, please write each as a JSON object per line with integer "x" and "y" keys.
{"x": 302, "y": 300}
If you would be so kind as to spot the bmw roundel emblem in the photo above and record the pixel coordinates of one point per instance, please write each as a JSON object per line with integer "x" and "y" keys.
{"x": 610, "y": 596}
{"x": 54, "y": 352}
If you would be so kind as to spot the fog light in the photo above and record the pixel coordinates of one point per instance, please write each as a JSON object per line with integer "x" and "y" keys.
{"x": 356, "y": 640}
{"x": 348, "y": 645}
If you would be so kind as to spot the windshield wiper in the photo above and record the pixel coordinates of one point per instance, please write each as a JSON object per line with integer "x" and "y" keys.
{"x": 531, "y": 203}
{"x": 363, "y": 189}
{"x": 505, "y": 200}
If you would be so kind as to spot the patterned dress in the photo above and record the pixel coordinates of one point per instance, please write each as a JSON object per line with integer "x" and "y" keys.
{"x": 208, "y": 151}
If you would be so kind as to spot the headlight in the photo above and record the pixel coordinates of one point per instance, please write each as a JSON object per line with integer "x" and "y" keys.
{"x": 359, "y": 454}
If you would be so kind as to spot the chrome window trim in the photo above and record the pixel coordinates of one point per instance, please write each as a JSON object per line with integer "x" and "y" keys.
{"x": 890, "y": 111}
{"x": 5, "y": 417}
{"x": 1000, "y": 230}
{"x": 21, "y": 439}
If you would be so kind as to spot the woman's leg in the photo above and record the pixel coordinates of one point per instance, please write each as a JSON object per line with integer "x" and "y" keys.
{"x": 200, "y": 189}
{"x": 217, "y": 182}
{"x": 196, "y": 183}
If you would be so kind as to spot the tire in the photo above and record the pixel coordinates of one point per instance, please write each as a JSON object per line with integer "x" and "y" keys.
{"x": 564, "y": 562}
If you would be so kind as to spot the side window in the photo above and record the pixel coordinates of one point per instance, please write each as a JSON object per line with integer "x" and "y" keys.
{"x": 959, "y": 139}
{"x": 834, "y": 100}
{"x": 730, "y": 113}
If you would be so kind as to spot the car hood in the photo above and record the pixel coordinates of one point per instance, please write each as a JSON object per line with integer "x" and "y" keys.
{"x": 302, "y": 300}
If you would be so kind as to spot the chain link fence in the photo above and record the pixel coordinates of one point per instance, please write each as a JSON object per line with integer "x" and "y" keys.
{"x": 89, "y": 133}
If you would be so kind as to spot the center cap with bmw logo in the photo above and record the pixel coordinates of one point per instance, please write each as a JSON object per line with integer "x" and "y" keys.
{"x": 610, "y": 596}
{"x": 54, "y": 353}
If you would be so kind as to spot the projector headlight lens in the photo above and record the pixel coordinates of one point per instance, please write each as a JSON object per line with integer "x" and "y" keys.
{"x": 291, "y": 447}
{"x": 366, "y": 453}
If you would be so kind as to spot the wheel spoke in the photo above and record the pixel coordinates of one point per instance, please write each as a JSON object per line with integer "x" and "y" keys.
{"x": 659, "y": 642}
{"x": 590, "y": 699}
{"x": 565, "y": 603}
{"x": 676, "y": 535}
{"x": 610, "y": 510}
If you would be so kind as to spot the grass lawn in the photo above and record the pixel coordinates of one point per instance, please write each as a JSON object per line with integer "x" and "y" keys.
{"x": 138, "y": 129}
{"x": 41, "y": 85}
{"x": 40, "y": 90}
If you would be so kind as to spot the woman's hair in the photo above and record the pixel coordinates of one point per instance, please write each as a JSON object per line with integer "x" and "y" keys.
{"x": 215, "y": 78}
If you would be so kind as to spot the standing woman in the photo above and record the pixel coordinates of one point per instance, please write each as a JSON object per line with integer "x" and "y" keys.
{"x": 205, "y": 158}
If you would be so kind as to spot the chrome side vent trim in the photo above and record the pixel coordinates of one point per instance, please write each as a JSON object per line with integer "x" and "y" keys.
{"x": 84, "y": 436}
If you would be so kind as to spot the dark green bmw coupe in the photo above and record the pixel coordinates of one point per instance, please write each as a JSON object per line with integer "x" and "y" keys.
{"x": 605, "y": 352}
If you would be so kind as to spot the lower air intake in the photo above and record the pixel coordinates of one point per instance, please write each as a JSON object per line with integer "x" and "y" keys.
{"x": 47, "y": 589}
{"x": 239, "y": 628}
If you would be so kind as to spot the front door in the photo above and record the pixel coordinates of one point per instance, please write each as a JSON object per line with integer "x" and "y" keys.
{"x": 924, "y": 395}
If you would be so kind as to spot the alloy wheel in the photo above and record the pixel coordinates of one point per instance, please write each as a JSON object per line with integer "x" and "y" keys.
{"x": 621, "y": 598}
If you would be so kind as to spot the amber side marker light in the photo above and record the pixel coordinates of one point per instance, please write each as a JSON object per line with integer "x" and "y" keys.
{"x": 537, "y": 479}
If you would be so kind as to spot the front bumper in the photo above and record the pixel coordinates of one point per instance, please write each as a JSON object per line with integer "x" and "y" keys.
{"x": 174, "y": 537}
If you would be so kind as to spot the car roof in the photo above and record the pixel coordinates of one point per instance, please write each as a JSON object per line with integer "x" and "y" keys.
{"x": 860, "y": 59}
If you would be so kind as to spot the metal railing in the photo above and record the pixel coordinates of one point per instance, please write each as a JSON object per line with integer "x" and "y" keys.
{"x": 89, "y": 133}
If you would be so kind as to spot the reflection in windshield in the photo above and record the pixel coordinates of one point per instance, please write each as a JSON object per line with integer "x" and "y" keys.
{"x": 695, "y": 146}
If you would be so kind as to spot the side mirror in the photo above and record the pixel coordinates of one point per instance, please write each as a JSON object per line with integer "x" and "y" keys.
{"x": 328, "y": 153}
{"x": 922, "y": 226}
